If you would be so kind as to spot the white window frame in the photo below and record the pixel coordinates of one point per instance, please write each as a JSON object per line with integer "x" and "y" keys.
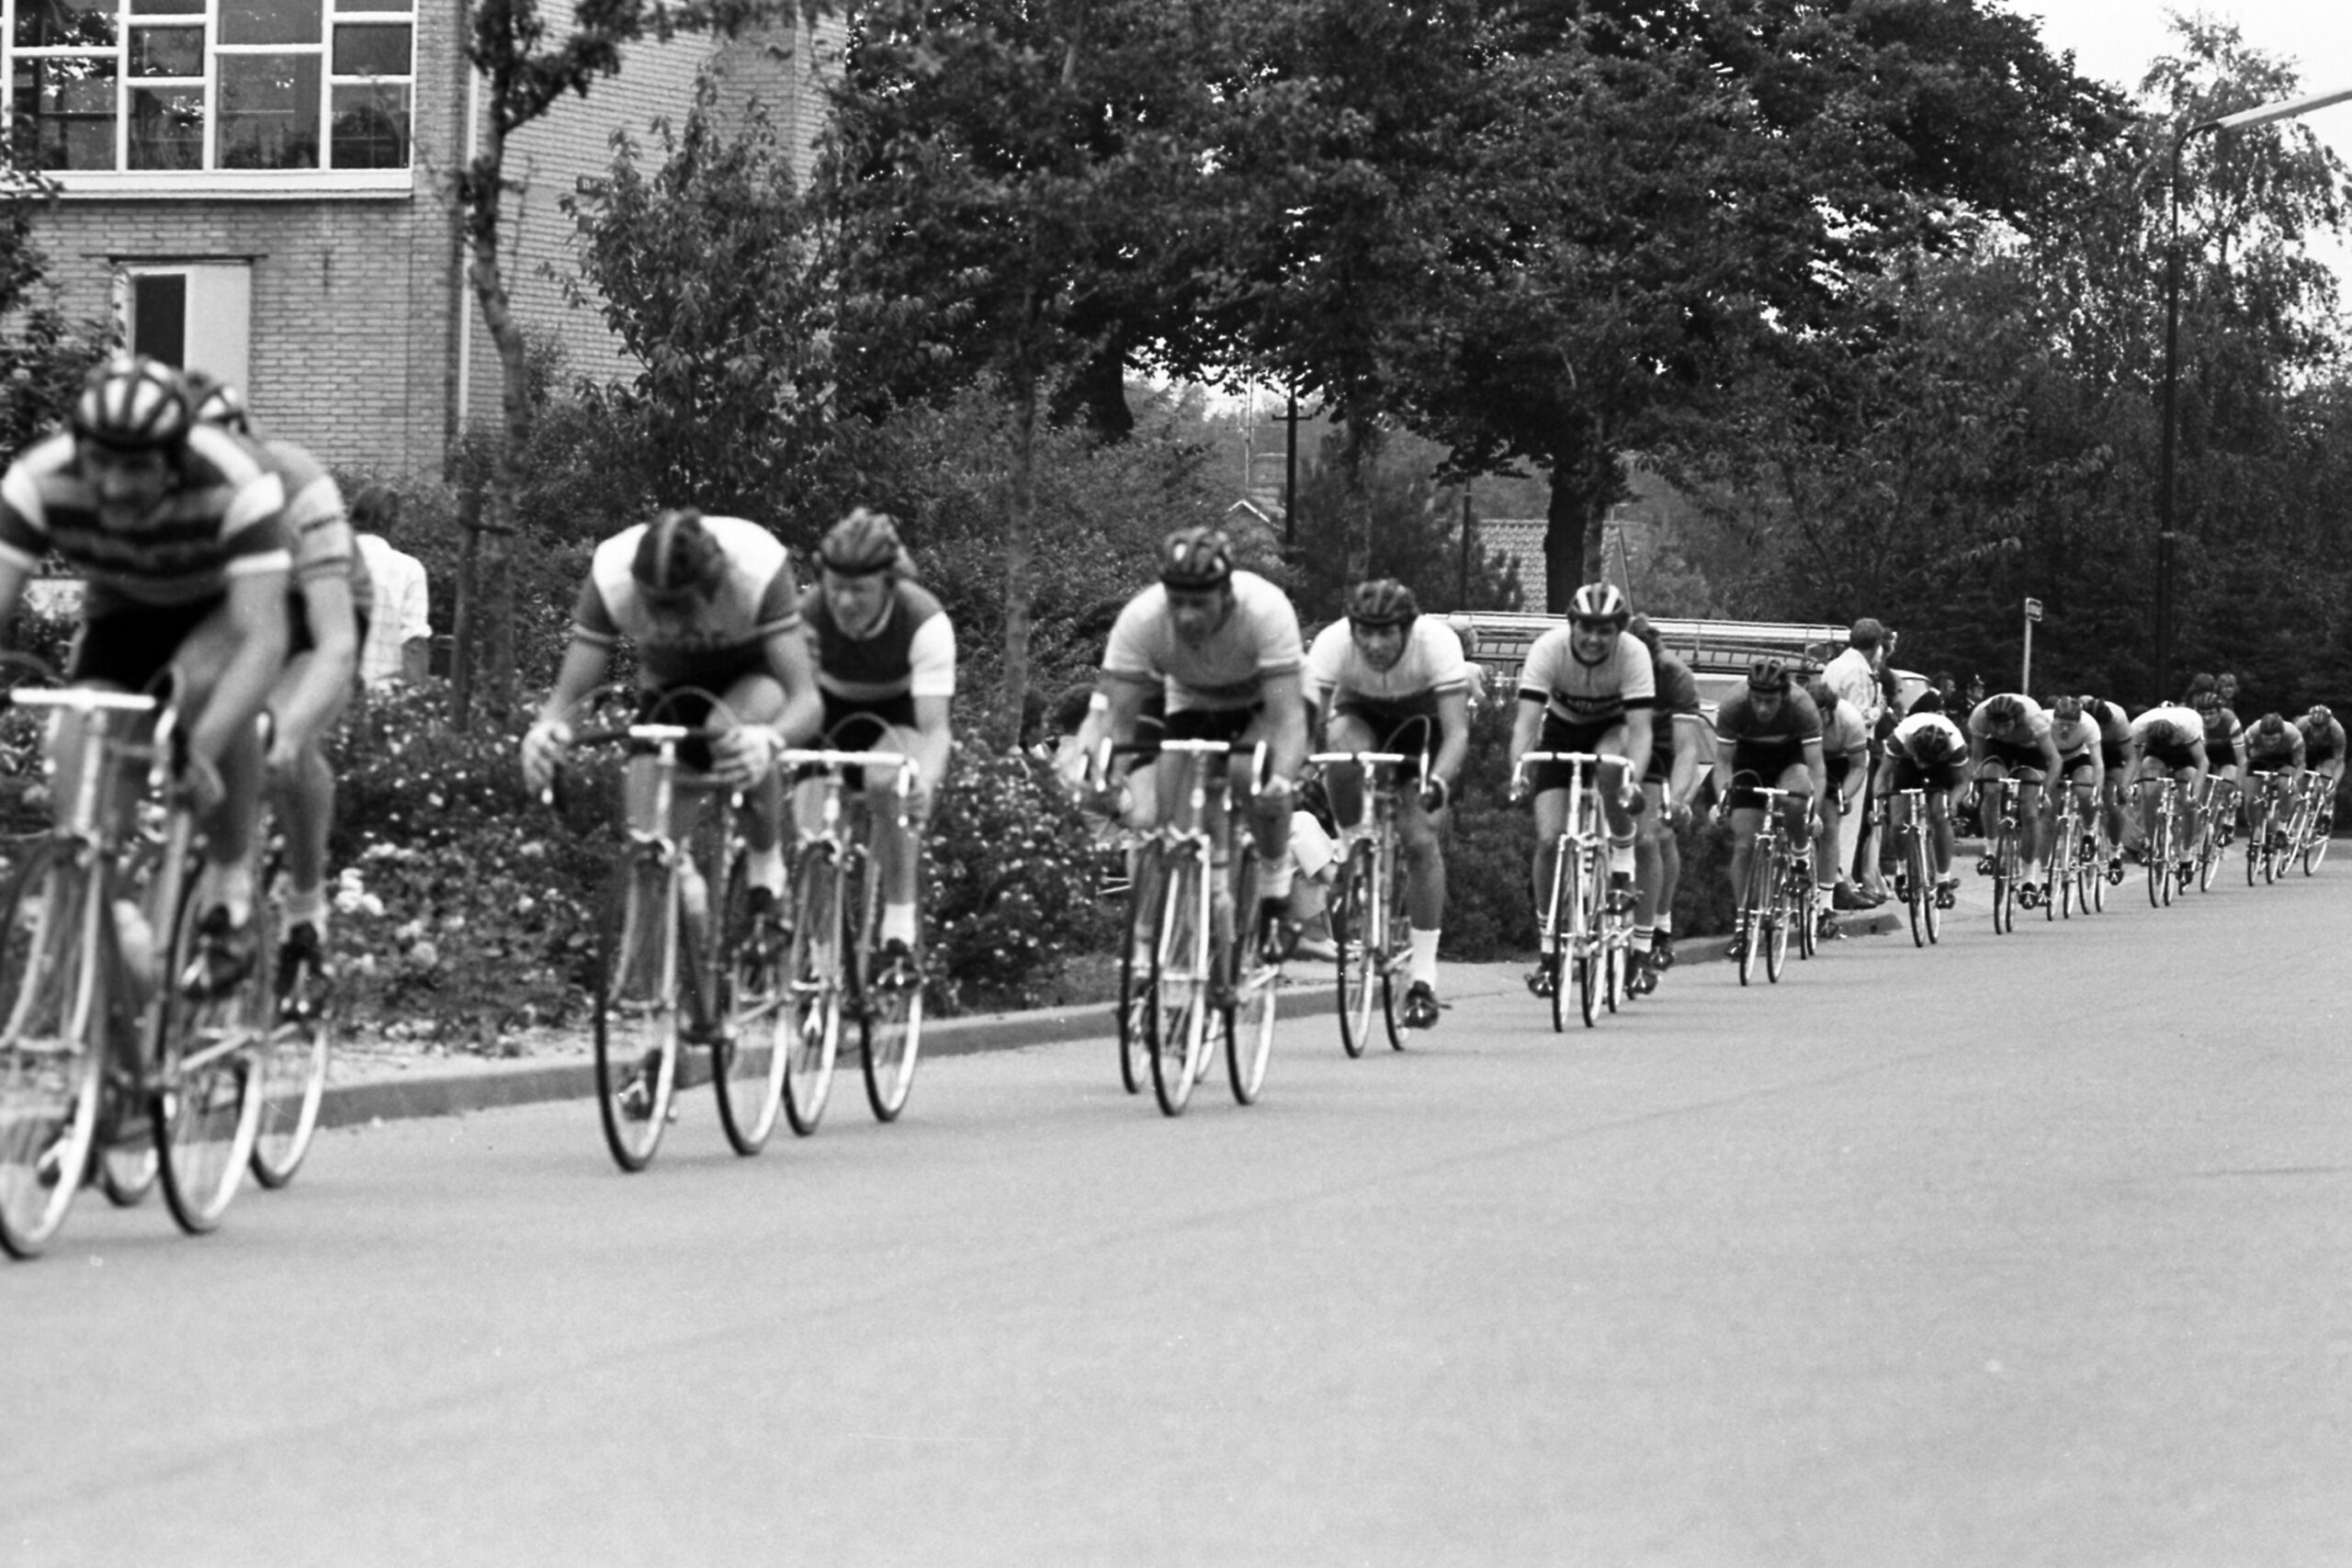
{"x": 217, "y": 335}
{"x": 258, "y": 184}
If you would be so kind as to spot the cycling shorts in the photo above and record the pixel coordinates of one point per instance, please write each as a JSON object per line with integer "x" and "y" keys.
{"x": 131, "y": 645}
{"x": 2073, "y": 763}
{"x": 2169, "y": 755}
{"x": 1408, "y": 726}
{"x": 2012, "y": 756}
{"x": 2219, "y": 754}
{"x": 1746, "y": 778}
{"x": 1834, "y": 770}
{"x": 1607, "y": 738}
{"x": 1212, "y": 724}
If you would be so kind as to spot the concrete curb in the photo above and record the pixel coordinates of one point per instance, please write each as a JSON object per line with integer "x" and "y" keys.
{"x": 455, "y": 1087}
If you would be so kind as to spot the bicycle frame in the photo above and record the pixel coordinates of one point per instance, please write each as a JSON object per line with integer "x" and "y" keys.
{"x": 1592, "y": 947}
{"x": 1368, "y": 948}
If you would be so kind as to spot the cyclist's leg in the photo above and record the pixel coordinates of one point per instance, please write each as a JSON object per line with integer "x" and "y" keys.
{"x": 897, "y": 839}
{"x": 1796, "y": 811}
{"x": 1830, "y": 841}
{"x": 1343, "y": 782}
{"x": 2033, "y": 828}
{"x": 1988, "y": 788}
{"x": 757, "y": 697}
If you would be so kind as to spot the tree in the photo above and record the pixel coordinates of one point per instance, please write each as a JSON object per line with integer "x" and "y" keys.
{"x": 713, "y": 272}
{"x": 526, "y": 68}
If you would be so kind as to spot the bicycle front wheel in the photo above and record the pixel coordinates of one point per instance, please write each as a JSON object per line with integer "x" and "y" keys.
{"x": 1589, "y": 943}
{"x": 1135, "y": 972}
{"x": 1776, "y": 926}
{"x": 1806, "y": 898}
{"x": 1179, "y": 981}
{"x": 637, "y": 1011}
{"x": 747, "y": 1056}
{"x": 291, "y": 1061}
{"x": 48, "y": 1055}
{"x": 1354, "y": 927}
{"x": 207, "y": 1108}
{"x": 2315, "y": 842}
{"x": 889, "y": 1007}
{"x": 1396, "y": 954}
{"x": 1918, "y": 899}
{"x": 1249, "y": 1021}
{"x": 813, "y": 972}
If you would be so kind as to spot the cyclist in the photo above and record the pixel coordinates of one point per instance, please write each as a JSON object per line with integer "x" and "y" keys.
{"x": 1680, "y": 750}
{"x": 2168, "y": 744}
{"x": 1587, "y": 686}
{"x": 2272, "y": 745}
{"x": 2081, "y": 758}
{"x": 2324, "y": 755}
{"x": 1390, "y": 679}
{"x": 1845, "y": 757}
{"x": 2114, "y": 741}
{"x": 2222, "y": 754}
{"x": 1222, "y": 646}
{"x": 1769, "y": 737}
{"x": 178, "y": 531}
{"x": 2009, "y": 736}
{"x": 712, "y": 608}
{"x": 1928, "y": 752}
{"x": 885, "y": 667}
{"x": 326, "y": 619}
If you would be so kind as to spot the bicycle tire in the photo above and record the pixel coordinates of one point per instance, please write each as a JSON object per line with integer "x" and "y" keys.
{"x": 1135, "y": 972}
{"x": 1748, "y": 919}
{"x": 1591, "y": 912}
{"x": 2315, "y": 844}
{"x": 889, "y": 1017}
{"x": 291, "y": 1059}
{"x": 1396, "y": 954}
{"x": 1934, "y": 907}
{"x": 207, "y": 1104}
{"x": 1354, "y": 912}
{"x": 2209, "y": 855}
{"x": 1776, "y": 923}
{"x": 637, "y": 1010}
{"x": 1918, "y": 897}
{"x": 1806, "y": 897}
{"x": 812, "y": 976}
{"x": 1250, "y": 1019}
{"x": 50, "y": 1066}
{"x": 1562, "y": 956}
{"x": 1180, "y": 983}
{"x": 747, "y": 1058}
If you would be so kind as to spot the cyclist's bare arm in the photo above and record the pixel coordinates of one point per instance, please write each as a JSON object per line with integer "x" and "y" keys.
{"x": 933, "y": 738}
{"x": 584, "y": 667}
{"x": 256, "y": 606}
{"x": 1285, "y": 708}
{"x": 1127, "y": 695}
{"x": 1453, "y": 713}
{"x": 1817, "y": 771}
{"x": 334, "y": 660}
{"x": 795, "y": 669}
{"x": 1525, "y": 726}
{"x": 1692, "y": 738}
{"x": 1638, "y": 731}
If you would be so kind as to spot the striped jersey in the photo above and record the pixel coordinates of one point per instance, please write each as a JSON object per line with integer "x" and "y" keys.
{"x": 909, "y": 652}
{"x": 1587, "y": 694}
{"x": 755, "y": 599}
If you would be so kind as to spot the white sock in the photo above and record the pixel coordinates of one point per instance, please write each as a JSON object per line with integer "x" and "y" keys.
{"x": 1425, "y": 957}
{"x": 765, "y": 868}
{"x": 898, "y": 923}
{"x": 308, "y": 908}
{"x": 230, "y": 887}
{"x": 1273, "y": 881}
{"x": 1621, "y": 858}
{"x": 1664, "y": 921}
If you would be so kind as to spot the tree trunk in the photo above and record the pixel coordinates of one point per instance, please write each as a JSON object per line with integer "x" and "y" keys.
{"x": 490, "y": 660}
{"x": 1019, "y": 526}
{"x": 1586, "y": 479}
{"x": 1360, "y": 447}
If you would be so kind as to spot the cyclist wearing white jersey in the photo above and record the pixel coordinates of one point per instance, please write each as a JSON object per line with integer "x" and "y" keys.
{"x": 1390, "y": 679}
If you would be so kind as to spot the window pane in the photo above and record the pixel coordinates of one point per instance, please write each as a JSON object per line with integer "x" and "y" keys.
{"x": 269, "y": 112}
{"x": 159, "y": 315}
{"x": 68, "y": 105}
{"x": 167, "y": 52}
{"x": 167, "y": 8}
{"x": 269, "y": 21}
{"x": 371, "y": 128}
{"x": 64, "y": 24}
{"x": 168, "y": 128}
{"x": 374, "y": 49}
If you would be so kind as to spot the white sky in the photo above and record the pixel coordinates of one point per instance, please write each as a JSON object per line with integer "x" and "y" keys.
{"x": 2113, "y": 41}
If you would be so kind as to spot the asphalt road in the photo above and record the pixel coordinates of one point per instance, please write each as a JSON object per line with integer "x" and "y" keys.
{"x": 2023, "y": 1250}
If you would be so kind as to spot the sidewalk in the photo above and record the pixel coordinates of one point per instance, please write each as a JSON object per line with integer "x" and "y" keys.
{"x": 404, "y": 1086}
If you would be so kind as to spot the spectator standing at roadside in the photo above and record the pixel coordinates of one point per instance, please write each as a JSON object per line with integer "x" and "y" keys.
{"x": 1853, "y": 676}
{"x": 400, "y": 631}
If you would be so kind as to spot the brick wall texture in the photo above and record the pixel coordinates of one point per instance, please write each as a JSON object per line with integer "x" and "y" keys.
{"x": 357, "y": 346}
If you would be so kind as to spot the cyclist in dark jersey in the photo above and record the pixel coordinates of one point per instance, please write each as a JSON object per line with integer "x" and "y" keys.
{"x": 1768, "y": 736}
{"x": 179, "y": 533}
{"x": 1682, "y": 744}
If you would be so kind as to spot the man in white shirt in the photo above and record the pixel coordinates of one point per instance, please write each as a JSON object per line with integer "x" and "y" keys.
{"x": 1853, "y": 677}
{"x": 400, "y": 631}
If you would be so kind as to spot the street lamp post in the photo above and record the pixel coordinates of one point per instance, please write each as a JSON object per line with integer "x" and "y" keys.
{"x": 2243, "y": 119}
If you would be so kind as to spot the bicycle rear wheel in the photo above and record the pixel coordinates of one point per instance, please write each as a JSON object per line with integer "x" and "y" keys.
{"x": 1589, "y": 943}
{"x": 1354, "y": 909}
{"x": 811, "y": 1036}
{"x": 291, "y": 1058}
{"x": 1776, "y": 926}
{"x": 1249, "y": 1021}
{"x": 48, "y": 1057}
{"x": 1179, "y": 982}
{"x": 207, "y": 1108}
{"x": 1805, "y": 895}
{"x": 1748, "y": 917}
{"x": 1135, "y": 971}
{"x": 1396, "y": 954}
{"x": 1918, "y": 899}
{"x": 890, "y": 1014}
{"x": 1562, "y": 958}
{"x": 637, "y": 1010}
{"x": 2316, "y": 843}
{"x": 747, "y": 1059}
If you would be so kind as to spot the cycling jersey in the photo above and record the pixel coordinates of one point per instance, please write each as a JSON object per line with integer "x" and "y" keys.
{"x": 2221, "y": 732}
{"x": 713, "y": 644}
{"x": 1678, "y": 697}
{"x": 323, "y": 544}
{"x": 2073, "y": 738}
{"x": 1588, "y": 695}
{"x": 222, "y": 520}
{"x": 2114, "y": 729}
{"x": 1759, "y": 744}
{"x": 2321, "y": 745}
{"x": 1431, "y": 665}
{"x": 2170, "y": 734}
{"x": 909, "y": 652}
{"x": 2284, "y": 751}
{"x": 1928, "y": 753}
{"x": 1258, "y": 638}
{"x": 2027, "y": 732}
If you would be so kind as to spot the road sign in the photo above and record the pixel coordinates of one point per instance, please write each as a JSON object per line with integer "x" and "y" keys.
{"x": 2033, "y": 609}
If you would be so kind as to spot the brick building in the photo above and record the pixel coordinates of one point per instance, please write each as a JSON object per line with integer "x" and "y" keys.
{"x": 258, "y": 188}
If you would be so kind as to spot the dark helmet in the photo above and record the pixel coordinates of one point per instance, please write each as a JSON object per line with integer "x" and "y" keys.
{"x": 1601, "y": 602}
{"x": 1928, "y": 700}
{"x": 1767, "y": 675}
{"x": 1639, "y": 626}
{"x": 1195, "y": 557}
{"x": 2319, "y": 714}
{"x": 1819, "y": 690}
{"x": 132, "y": 403}
{"x": 677, "y": 557}
{"x": 1931, "y": 744}
{"x": 214, "y": 401}
{"x": 1382, "y": 602}
{"x": 863, "y": 543}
